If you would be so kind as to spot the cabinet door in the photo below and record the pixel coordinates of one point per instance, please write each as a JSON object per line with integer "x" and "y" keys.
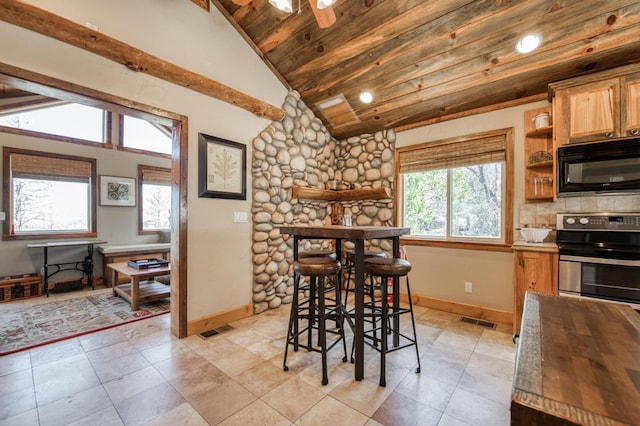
{"x": 631, "y": 105}
{"x": 591, "y": 112}
{"x": 535, "y": 272}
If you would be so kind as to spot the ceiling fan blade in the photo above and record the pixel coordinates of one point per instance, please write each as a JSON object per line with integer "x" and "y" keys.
{"x": 241, "y": 2}
{"x": 325, "y": 17}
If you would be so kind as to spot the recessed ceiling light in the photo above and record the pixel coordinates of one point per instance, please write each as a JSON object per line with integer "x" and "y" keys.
{"x": 366, "y": 97}
{"x": 528, "y": 43}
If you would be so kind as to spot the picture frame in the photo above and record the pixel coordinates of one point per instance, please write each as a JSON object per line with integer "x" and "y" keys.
{"x": 222, "y": 168}
{"x": 117, "y": 191}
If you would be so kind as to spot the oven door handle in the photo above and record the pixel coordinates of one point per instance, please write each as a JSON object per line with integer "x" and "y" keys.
{"x": 599, "y": 260}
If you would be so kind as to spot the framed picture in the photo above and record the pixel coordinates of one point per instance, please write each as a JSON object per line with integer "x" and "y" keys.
{"x": 117, "y": 191}
{"x": 222, "y": 171}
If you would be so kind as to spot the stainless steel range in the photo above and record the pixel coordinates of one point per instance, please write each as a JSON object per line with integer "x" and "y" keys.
{"x": 600, "y": 255}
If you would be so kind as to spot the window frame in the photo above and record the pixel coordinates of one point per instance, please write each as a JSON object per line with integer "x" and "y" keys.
{"x": 141, "y": 169}
{"x": 120, "y": 146}
{"x": 106, "y": 130}
{"x": 7, "y": 197}
{"x": 505, "y": 243}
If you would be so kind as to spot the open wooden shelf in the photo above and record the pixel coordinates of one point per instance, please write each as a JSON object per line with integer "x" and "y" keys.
{"x": 540, "y": 164}
{"x": 543, "y": 131}
{"x": 344, "y": 195}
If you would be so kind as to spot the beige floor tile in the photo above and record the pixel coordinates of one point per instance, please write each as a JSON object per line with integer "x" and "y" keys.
{"x": 101, "y": 339}
{"x": 447, "y": 420}
{"x": 486, "y": 386}
{"x": 152, "y": 339}
{"x": 132, "y": 384}
{"x": 222, "y": 401}
{"x": 180, "y": 364}
{"x": 199, "y": 380}
{"x": 15, "y": 362}
{"x": 74, "y": 407}
{"x": 14, "y": 382}
{"x": 293, "y": 398}
{"x": 215, "y": 348}
{"x": 63, "y": 378}
{"x": 182, "y": 415}
{"x": 165, "y": 351}
{"x": 119, "y": 366}
{"x": 399, "y": 410}
{"x": 497, "y": 345}
{"x": 364, "y": 396}
{"x": 257, "y": 413}
{"x": 14, "y": 403}
{"x": 28, "y": 418}
{"x": 426, "y": 390}
{"x": 106, "y": 417}
{"x": 444, "y": 363}
{"x": 262, "y": 378}
{"x": 330, "y": 411}
{"x": 149, "y": 404}
{"x": 238, "y": 362}
{"x": 492, "y": 366}
{"x": 55, "y": 352}
{"x": 476, "y": 410}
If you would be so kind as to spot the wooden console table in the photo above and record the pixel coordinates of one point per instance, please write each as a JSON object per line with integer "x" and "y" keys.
{"x": 135, "y": 293}
{"x": 578, "y": 363}
{"x": 115, "y": 253}
{"x": 85, "y": 266}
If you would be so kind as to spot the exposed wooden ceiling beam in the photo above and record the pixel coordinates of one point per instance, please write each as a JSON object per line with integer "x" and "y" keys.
{"x": 39, "y": 20}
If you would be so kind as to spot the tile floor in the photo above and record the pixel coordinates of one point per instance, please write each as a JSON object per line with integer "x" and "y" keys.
{"x": 140, "y": 374}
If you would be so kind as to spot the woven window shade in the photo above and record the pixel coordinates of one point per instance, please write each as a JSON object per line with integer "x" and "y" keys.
{"x": 54, "y": 168}
{"x": 157, "y": 175}
{"x": 459, "y": 153}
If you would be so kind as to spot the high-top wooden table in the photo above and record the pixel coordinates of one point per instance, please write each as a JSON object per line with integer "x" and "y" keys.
{"x": 357, "y": 234}
{"x": 578, "y": 362}
{"x": 134, "y": 293}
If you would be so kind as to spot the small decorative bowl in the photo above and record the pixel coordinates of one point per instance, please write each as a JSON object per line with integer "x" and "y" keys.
{"x": 540, "y": 156}
{"x": 534, "y": 235}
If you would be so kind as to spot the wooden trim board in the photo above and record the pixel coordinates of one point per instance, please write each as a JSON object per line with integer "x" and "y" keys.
{"x": 210, "y": 322}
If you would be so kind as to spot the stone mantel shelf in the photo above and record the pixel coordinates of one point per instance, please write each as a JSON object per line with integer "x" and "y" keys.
{"x": 342, "y": 195}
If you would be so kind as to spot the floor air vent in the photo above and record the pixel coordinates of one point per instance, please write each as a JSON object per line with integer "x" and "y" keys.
{"x": 205, "y": 335}
{"x": 481, "y": 323}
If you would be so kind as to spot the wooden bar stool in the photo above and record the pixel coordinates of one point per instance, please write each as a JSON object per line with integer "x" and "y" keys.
{"x": 316, "y": 310}
{"x": 385, "y": 269}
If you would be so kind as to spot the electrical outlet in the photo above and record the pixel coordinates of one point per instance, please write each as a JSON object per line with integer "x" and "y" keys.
{"x": 240, "y": 217}
{"x": 468, "y": 287}
{"x": 3, "y": 216}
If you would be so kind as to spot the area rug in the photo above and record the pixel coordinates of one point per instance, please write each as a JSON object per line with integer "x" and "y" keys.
{"x": 45, "y": 323}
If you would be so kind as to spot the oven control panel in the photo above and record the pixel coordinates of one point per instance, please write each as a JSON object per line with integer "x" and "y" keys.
{"x": 628, "y": 222}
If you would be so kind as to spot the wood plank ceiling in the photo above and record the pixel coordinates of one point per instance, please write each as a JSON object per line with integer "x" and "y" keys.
{"x": 424, "y": 61}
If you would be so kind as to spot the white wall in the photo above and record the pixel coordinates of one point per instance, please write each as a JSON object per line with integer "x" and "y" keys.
{"x": 441, "y": 272}
{"x": 219, "y": 257}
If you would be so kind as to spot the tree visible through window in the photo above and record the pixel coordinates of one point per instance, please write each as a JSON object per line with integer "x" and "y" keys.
{"x": 455, "y": 189}
{"x": 48, "y": 193}
{"x": 155, "y": 195}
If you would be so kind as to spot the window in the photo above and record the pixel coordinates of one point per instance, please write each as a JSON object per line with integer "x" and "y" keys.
{"x": 154, "y": 211}
{"x": 458, "y": 189}
{"x": 48, "y": 194}
{"x": 68, "y": 121}
{"x": 142, "y": 135}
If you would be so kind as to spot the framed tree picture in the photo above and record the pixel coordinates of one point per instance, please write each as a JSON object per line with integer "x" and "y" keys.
{"x": 222, "y": 168}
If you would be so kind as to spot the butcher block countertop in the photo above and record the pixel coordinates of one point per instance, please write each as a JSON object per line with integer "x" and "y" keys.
{"x": 578, "y": 362}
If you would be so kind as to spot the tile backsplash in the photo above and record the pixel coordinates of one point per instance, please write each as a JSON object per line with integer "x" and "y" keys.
{"x": 544, "y": 214}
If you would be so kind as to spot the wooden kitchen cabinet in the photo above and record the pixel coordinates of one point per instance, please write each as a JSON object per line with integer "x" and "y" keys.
{"x": 535, "y": 270}
{"x": 539, "y": 159}
{"x": 597, "y": 107}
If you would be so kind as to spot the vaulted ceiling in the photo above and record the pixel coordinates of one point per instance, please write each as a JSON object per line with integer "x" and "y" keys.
{"x": 426, "y": 60}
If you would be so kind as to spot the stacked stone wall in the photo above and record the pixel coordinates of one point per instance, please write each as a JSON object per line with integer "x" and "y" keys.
{"x": 299, "y": 151}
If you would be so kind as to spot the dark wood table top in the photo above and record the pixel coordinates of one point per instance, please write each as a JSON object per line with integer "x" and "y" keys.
{"x": 578, "y": 363}
{"x": 348, "y": 232}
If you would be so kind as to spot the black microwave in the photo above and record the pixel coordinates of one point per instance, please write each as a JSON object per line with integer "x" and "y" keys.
{"x": 603, "y": 167}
